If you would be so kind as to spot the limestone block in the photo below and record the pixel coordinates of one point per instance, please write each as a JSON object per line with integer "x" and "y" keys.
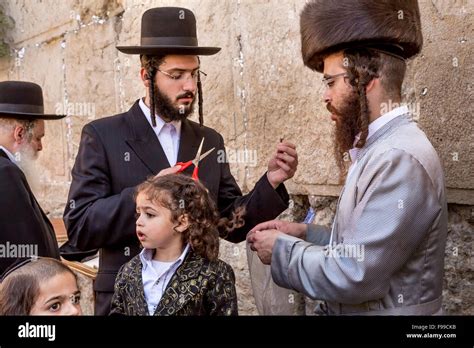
{"x": 282, "y": 96}
{"x": 46, "y": 18}
{"x": 458, "y": 294}
{"x": 90, "y": 78}
{"x": 235, "y": 256}
{"x": 440, "y": 82}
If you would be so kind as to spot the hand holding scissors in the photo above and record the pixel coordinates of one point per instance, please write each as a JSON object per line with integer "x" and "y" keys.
{"x": 195, "y": 161}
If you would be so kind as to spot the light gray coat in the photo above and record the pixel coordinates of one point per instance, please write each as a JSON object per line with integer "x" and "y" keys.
{"x": 393, "y": 211}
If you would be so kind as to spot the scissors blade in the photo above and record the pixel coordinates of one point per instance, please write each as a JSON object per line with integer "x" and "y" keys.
{"x": 198, "y": 153}
{"x": 206, "y": 153}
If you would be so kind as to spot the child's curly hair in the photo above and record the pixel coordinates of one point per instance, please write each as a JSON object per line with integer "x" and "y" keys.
{"x": 184, "y": 196}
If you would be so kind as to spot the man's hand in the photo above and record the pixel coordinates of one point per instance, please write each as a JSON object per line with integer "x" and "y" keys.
{"x": 282, "y": 165}
{"x": 262, "y": 242}
{"x": 291, "y": 228}
{"x": 170, "y": 170}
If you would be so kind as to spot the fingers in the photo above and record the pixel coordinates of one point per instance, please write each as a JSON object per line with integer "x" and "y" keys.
{"x": 250, "y": 240}
{"x": 286, "y": 153}
{"x": 287, "y": 158}
{"x": 174, "y": 169}
{"x": 288, "y": 144}
{"x": 283, "y": 166}
{"x": 267, "y": 225}
{"x": 171, "y": 170}
{"x": 291, "y": 150}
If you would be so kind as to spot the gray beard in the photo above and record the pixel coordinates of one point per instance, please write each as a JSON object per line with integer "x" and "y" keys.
{"x": 30, "y": 168}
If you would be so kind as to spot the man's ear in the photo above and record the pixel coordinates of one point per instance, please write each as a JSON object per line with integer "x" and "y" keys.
{"x": 144, "y": 77}
{"x": 19, "y": 134}
{"x": 183, "y": 223}
{"x": 372, "y": 84}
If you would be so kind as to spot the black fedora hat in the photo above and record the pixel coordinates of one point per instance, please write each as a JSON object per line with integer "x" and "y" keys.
{"x": 168, "y": 30}
{"x": 23, "y": 100}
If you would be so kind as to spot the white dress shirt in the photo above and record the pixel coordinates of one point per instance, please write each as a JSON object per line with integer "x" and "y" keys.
{"x": 168, "y": 134}
{"x": 156, "y": 276}
{"x": 374, "y": 126}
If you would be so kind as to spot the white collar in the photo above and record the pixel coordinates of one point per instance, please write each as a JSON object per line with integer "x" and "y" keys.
{"x": 146, "y": 255}
{"x": 381, "y": 121}
{"x": 376, "y": 124}
{"x": 159, "y": 121}
{"x": 9, "y": 154}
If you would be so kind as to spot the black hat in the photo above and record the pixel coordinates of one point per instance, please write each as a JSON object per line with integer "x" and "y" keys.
{"x": 23, "y": 101}
{"x": 168, "y": 30}
{"x": 71, "y": 253}
{"x": 391, "y": 26}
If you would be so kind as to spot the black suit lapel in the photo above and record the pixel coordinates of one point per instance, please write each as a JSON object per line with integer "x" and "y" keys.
{"x": 189, "y": 141}
{"x": 144, "y": 142}
{"x": 191, "y": 136}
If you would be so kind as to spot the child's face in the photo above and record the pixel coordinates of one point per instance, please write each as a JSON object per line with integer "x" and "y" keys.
{"x": 59, "y": 295}
{"x": 154, "y": 225}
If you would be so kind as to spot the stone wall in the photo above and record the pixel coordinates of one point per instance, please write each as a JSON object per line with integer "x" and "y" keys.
{"x": 257, "y": 92}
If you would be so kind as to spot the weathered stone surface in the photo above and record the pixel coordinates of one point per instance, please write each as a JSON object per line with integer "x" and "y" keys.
{"x": 458, "y": 289}
{"x": 37, "y": 18}
{"x": 440, "y": 84}
{"x": 257, "y": 92}
{"x": 49, "y": 19}
{"x": 90, "y": 80}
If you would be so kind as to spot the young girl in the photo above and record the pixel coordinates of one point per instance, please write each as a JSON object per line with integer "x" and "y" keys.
{"x": 40, "y": 286}
{"x": 178, "y": 271}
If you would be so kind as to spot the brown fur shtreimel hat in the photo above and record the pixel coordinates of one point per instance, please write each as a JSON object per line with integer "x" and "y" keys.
{"x": 392, "y": 26}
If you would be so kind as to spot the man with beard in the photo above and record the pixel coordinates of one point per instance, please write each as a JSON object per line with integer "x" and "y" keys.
{"x": 25, "y": 230}
{"x": 119, "y": 152}
{"x": 385, "y": 252}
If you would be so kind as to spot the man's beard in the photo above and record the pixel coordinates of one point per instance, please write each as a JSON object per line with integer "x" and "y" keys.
{"x": 27, "y": 157}
{"x": 167, "y": 111}
{"x": 347, "y": 127}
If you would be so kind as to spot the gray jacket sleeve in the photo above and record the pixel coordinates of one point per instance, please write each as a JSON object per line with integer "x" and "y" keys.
{"x": 395, "y": 205}
{"x": 317, "y": 234}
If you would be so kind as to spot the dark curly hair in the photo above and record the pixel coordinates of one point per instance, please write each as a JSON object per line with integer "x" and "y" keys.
{"x": 184, "y": 196}
{"x": 365, "y": 64}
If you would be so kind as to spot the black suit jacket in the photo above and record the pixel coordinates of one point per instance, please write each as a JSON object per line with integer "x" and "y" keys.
{"x": 115, "y": 155}
{"x": 198, "y": 287}
{"x": 22, "y": 221}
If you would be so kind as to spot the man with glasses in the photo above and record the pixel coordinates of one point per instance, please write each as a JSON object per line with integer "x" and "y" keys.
{"x": 119, "y": 152}
{"x": 385, "y": 252}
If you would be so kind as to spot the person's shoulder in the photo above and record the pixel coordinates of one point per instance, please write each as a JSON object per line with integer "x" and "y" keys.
{"x": 131, "y": 266}
{"x": 105, "y": 124}
{"x": 9, "y": 170}
{"x": 408, "y": 144}
{"x": 110, "y": 125}
{"x": 218, "y": 267}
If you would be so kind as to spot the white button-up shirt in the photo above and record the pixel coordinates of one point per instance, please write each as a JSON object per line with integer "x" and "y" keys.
{"x": 168, "y": 134}
{"x": 374, "y": 126}
{"x": 156, "y": 276}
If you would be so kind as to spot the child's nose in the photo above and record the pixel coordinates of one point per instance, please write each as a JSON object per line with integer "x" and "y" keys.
{"x": 73, "y": 309}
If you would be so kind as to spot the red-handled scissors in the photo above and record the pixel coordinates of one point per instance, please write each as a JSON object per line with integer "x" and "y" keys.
{"x": 195, "y": 161}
